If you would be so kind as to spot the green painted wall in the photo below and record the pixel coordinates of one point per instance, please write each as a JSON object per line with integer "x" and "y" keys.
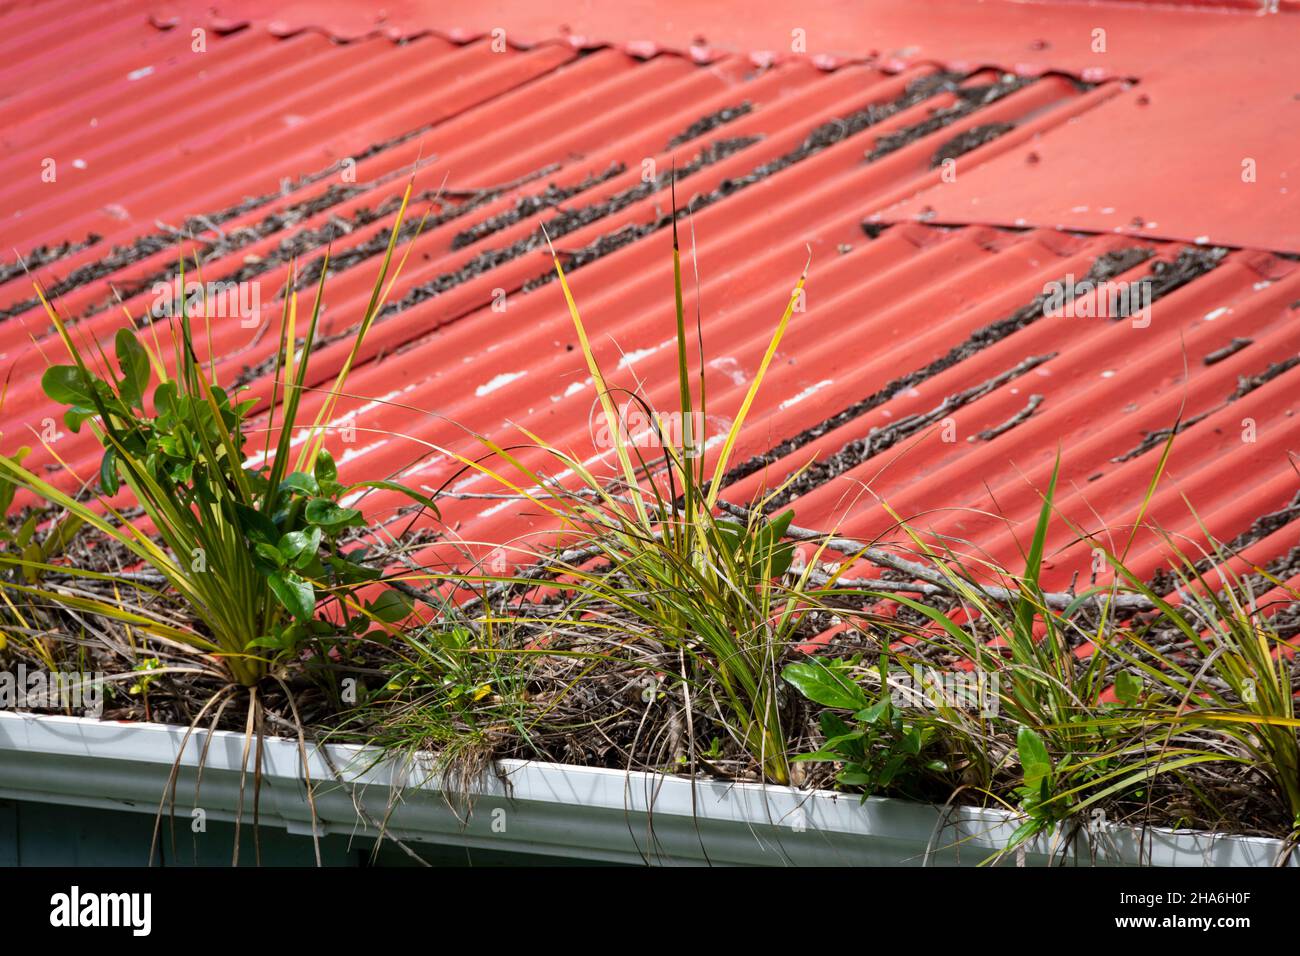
{"x": 41, "y": 834}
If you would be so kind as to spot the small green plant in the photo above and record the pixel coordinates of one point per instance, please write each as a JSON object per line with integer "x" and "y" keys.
{"x": 456, "y": 695}
{"x": 26, "y": 554}
{"x": 445, "y": 661}
{"x": 145, "y": 669}
{"x": 1037, "y": 789}
{"x": 253, "y": 551}
{"x": 881, "y": 748}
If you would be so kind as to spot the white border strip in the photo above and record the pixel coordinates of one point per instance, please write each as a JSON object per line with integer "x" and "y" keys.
{"x": 550, "y": 809}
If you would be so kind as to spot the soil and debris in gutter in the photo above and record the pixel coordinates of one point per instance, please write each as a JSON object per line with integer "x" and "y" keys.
{"x": 587, "y": 702}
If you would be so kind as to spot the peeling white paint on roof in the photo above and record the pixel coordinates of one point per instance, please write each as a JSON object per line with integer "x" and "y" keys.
{"x": 636, "y": 355}
{"x": 352, "y": 453}
{"x": 810, "y": 390}
{"x": 505, "y": 378}
{"x": 730, "y": 367}
{"x": 498, "y": 507}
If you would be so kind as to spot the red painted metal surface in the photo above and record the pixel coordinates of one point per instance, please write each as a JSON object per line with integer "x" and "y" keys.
{"x": 264, "y": 146}
{"x": 1216, "y": 94}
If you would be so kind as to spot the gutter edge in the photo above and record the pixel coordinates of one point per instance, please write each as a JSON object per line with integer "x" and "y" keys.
{"x": 556, "y": 810}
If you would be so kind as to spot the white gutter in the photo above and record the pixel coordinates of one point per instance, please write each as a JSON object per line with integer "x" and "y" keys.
{"x": 548, "y": 809}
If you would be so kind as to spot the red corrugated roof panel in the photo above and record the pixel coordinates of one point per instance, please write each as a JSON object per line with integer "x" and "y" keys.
{"x": 926, "y": 368}
{"x": 1216, "y": 90}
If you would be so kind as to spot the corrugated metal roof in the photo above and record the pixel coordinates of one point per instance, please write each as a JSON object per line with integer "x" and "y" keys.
{"x": 1214, "y": 114}
{"x": 924, "y": 369}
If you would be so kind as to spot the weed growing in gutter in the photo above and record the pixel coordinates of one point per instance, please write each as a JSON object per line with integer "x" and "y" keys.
{"x": 653, "y": 554}
{"x": 1092, "y": 714}
{"x": 252, "y": 551}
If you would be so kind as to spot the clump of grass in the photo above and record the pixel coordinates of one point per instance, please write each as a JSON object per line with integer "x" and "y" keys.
{"x": 459, "y": 694}
{"x": 1119, "y": 728}
{"x": 651, "y": 553}
{"x": 708, "y": 586}
{"x": 252, "y": 552}
{"x": 1237, "y": 679}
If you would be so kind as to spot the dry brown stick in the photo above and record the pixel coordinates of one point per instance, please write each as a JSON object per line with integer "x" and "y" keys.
{"x": 860, "y": 549}
{"x": 935, "y": 581}
{"x": 535, "y": 571}
{"x": 821, "y": 578}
